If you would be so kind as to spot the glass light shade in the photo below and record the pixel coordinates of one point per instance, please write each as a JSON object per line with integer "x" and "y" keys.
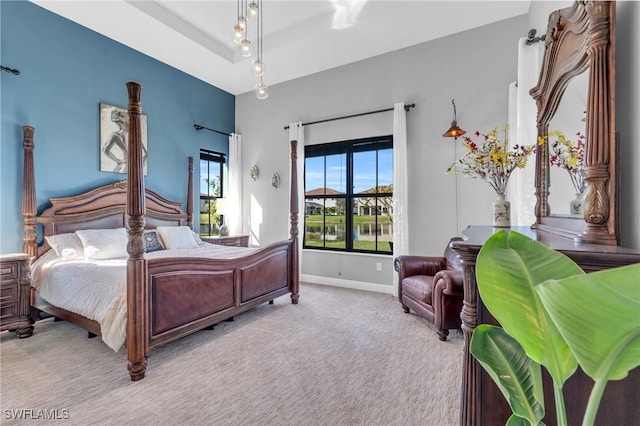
{"x": 245, "y": 48}
{"x": 261, "y": 91}
{"x": 257, "y": 68}
{"x": 242, "y": 22}
{"x": 238, "y": 34}
{"x": 253, "y": 10}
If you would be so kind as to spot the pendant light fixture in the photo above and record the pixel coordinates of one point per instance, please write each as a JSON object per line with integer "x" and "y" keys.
{"x": 245, "y": 43}
{"x": 252, "y": 10}
{"x": 240, "y": 35}
{"x": 257, "y": 66}
{"x": 454, "y": 131}
{"x": 238, "y": 29}
{"x": 261, "y": 90}
{"x": 245, "y": 47}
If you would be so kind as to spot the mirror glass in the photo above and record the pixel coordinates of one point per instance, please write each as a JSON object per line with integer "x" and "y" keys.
{"x": 566, "y": 150}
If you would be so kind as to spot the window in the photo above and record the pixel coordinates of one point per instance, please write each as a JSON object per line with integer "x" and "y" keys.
{"x": 349, "y": 196}
{"x": 211, "y": 184}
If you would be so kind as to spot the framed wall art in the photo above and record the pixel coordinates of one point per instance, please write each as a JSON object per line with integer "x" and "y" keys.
{"x": 114, "y": 139}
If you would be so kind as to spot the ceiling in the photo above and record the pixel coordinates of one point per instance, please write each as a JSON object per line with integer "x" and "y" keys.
{"x": 299, "y": 37}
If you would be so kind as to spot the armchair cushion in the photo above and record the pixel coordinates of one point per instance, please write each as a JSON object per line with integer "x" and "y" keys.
{"x": 419, "y": 287}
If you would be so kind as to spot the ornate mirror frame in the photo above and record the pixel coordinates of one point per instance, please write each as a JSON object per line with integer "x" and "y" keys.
{"x": 581, "y": 38}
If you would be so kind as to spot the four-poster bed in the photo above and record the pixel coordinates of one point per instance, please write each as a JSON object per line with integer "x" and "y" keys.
{"x": 166, "y": 297}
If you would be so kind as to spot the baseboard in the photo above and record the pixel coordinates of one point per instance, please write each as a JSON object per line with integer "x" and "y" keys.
{"x": 337, "y": 282}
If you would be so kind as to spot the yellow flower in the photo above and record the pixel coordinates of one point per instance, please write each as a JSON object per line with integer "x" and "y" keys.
{"x": 491, "y": 159}
{"x": 498, "y": 157}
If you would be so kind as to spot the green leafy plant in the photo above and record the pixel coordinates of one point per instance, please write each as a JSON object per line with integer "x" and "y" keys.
{"x": 552, "y": 315}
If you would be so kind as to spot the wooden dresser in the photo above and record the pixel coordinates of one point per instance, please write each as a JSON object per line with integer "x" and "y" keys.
{"x": 482, "y": 403}
{"x": 230, "y": 240}
{"x": 15, "y": 283}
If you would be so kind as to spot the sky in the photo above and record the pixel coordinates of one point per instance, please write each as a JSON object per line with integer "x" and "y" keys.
{"x": 364, "y": 171}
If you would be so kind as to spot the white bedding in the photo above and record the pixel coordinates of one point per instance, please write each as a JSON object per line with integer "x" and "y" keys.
{"x": 96, "y": 289}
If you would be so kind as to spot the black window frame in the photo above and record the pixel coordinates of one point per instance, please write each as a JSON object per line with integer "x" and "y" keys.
{"x": 348, "y": 147}
{"x": 212, "y": 157}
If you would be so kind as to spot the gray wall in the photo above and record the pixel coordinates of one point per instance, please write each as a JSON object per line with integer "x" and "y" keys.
{"x": 627, "y": 122}
{"x": 474, "y": 67}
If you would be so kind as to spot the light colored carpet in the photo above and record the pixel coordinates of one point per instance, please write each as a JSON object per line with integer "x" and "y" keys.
{"x": 340, "y": 357}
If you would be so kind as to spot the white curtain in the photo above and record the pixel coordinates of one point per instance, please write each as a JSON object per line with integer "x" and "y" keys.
{"x": 400, "y": 190}
{"x": 524, "y": 132}
{"x": 296, "y": 133}
{"x": 233, "y": 216}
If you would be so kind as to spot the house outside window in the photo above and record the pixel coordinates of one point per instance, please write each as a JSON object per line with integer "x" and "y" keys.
{"x": 211, "y": 188}
{"x": 349, "y": 196}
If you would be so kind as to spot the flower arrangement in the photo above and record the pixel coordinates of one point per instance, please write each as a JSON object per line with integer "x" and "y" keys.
{"x": 491, "y": 159}
{"x": 568, "y": 155}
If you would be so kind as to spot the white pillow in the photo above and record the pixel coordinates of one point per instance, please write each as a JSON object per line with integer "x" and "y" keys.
{"x": 177, "y": 237}
{"x": 104, "y": 243}
{"x": 66, "y": 246}
{"x": 197, "y": 238}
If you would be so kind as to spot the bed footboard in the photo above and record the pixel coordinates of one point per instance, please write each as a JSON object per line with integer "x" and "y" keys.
{"x": 188, "y": 294}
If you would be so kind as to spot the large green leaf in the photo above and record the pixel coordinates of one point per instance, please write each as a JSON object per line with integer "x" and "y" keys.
{"x": 598, "y": 314}
{"x": 518, "y": 378}
{"x": 509, "y": 267}
{"x": 514, "y": 420}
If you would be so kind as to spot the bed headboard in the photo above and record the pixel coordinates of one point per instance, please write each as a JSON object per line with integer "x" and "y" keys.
{"x": 103, "y": 207}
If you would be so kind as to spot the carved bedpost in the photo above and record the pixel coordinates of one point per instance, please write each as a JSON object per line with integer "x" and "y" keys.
{"x": 137, "y": 303}
{"x": 190, "y": 195}
{"x": 29, "y": 207}
{"x": 293, "y": 209}
{"x": 600, "y": 200}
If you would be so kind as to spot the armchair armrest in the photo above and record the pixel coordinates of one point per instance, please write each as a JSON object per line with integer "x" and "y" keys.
{"x": 449, "y": 282}
{"x": 408, "y": 266}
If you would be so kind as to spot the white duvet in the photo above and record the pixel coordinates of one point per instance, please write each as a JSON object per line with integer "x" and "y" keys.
{"x": 97, "y": 289}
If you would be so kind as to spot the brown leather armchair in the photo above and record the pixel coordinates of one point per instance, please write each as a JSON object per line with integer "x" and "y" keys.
{"x": 432, "y": 287}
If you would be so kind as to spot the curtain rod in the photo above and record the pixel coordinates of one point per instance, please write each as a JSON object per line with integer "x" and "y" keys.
{"x": 199, "y": 127}
{"x": 531, "y": 37}
{"x": 406, "y": 108}
{"x": 11, "y": 70}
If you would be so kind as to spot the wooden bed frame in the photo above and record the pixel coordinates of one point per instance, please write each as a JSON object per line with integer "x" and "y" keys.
{"x": 171, "y": 297}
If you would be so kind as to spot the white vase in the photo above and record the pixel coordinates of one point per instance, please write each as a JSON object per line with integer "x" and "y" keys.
{"x": 501, "y": 212}
{"x": 576, "y": 205}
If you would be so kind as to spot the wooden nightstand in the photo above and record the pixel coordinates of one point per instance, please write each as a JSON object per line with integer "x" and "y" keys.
{"x": 15, "y": 283}
{"x": 230, "y": 240}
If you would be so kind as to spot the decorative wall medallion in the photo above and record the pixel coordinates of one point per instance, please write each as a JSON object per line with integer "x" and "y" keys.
{"x": 254, "y": 173}
{"x": 275, "y": 180}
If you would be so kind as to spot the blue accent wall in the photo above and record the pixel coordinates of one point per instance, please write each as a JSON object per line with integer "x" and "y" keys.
{"x": 66, "y": 71}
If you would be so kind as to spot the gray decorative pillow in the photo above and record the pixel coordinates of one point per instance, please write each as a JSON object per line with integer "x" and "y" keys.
{"x": 152, "y": 242}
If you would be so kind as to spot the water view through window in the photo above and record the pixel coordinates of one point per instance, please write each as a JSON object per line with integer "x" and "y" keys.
{"x": 349, "y": 195}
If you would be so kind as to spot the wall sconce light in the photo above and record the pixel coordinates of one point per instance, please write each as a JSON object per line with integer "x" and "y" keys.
{"x": 454, "y": 131}
{"x": 275, "y": 180}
